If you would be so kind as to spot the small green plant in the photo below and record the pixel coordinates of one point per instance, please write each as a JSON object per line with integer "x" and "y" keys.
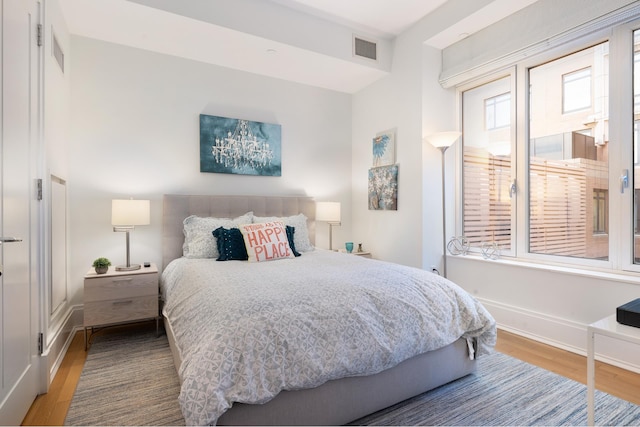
{"x": 101, "y": 262}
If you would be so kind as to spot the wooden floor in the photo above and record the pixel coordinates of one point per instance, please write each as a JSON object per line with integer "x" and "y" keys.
{"x": 50, "y": 409}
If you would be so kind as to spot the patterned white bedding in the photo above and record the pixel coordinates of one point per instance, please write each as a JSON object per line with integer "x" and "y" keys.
{"x": 246, "y": 331}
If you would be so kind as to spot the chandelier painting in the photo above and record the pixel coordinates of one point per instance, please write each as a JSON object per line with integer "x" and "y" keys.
{"x": 239, "y": 146}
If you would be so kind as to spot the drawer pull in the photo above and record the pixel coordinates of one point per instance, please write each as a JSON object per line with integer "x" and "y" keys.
{"x": 127, "y": 302}
{"x": 124, "y": 279}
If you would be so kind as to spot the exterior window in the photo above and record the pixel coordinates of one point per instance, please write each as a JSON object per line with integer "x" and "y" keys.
{"x": 576, "y": 90}
{"x": 636, "y": 78}
{"x": 636, "y": 210}
{"x": 636, "y": 140}
{"x": 487, "y": 172}
{"x": 562, "y": 208}
{"x": 497, "y": 110}
{"x": 566, "y": 164}
{"x": 600, "y": 210}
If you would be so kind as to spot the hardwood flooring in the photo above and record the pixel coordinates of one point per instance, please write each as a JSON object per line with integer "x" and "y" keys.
{"x": 50, "y": 409}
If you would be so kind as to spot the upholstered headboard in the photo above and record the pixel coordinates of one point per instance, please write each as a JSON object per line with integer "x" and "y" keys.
{"x": 176, "y": 207}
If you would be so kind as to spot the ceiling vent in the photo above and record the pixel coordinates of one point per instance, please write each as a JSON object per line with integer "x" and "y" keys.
{"x": 57, "y": 52}
{"x": 365, "y": 48}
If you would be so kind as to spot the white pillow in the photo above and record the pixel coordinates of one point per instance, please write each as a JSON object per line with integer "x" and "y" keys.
{"x": 301, "y": 236}
{"x": 199, "y": 241}
{"x": 266, "y": 241}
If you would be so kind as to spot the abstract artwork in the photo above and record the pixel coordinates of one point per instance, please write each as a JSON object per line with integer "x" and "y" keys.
{"x": 383, "y": 148}
{"x": 239, "y": 146}
{"x": 383, "y": 188}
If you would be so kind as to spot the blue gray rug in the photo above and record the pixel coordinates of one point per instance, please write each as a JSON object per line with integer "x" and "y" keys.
{"x": 129, "y": 379}
{"x": 507, "y": 391}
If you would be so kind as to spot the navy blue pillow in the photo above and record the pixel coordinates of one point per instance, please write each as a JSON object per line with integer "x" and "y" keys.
{"x": 230, "y": 244}
{"x": 290, "y": 232}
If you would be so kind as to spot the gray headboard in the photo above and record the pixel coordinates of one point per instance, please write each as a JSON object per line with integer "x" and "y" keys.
{"x": 176, "y": 207}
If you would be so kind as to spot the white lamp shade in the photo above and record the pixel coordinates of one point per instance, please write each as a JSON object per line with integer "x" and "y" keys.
{"x": 328, "y": 211}
{"x": 443, "y": 139}
{"x": 130, "y": 212}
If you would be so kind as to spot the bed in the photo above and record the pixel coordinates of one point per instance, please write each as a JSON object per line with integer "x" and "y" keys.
{"x": 323, "y": 338}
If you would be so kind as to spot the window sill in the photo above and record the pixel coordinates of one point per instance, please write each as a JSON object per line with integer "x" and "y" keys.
{"x": 584, "y": 271}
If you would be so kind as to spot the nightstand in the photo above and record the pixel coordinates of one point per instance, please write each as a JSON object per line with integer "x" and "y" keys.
{"x": 363, "y": 254}
{"x": 118, "y": 297}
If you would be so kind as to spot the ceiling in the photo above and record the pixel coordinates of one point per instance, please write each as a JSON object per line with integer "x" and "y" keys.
{"x": 304, "y": 41}
{"x": 385, "y": 18}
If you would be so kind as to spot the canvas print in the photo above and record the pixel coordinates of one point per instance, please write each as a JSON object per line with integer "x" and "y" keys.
{"x": 239, "y": 146}
{"x": 384, "y": 150}
{"x": 383, "y": 188}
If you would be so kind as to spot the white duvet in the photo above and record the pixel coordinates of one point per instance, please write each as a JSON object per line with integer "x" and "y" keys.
{"x": 246, "y": 331}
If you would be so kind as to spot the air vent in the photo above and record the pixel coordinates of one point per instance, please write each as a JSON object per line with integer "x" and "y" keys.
{"x": 364, "y": 48}
{"x": 57, "y": 52}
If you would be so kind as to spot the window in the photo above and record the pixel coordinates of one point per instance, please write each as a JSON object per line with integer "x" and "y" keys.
{"x": 487, "y": 174}
{"x": 497, "y": 111}
{"x": 559, "y": 209}
{"x": 636, "y": 78}
{"x": 636, "y": 139}
{"x": 600, "y": 210}
{"x": 636, "y": 210}
{"x": 576, "y": 90}
{"x": 565, "y": 165}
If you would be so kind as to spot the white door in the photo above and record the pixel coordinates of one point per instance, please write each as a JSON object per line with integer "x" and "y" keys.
{"x": 18, "y": 217}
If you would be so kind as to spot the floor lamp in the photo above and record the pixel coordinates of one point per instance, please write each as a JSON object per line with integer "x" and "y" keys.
{"x": 442, "y": 141}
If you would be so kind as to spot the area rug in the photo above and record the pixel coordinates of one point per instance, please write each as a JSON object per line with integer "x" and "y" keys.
{"x": 507, "y": 391}
{"x": 129, "y": 379}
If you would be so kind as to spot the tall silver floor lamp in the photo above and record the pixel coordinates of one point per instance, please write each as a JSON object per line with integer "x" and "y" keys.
{"x": 442, "y": 141}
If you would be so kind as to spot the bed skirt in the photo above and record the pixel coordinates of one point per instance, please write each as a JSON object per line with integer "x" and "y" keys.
{"x": 341, "y": 401}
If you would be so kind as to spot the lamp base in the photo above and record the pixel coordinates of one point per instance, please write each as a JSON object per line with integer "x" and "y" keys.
{"x": 128, "y": 267}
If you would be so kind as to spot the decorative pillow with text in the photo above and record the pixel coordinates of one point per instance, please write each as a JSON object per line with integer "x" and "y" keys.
{"x": 266, "y": 241}
{"x": 302, "y": 239}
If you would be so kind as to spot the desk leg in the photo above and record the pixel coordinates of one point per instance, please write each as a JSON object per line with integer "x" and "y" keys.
{"x": 591, "y": 380}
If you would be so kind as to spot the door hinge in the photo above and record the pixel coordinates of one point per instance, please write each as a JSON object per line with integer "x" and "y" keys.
{"x": 39, "y": 35}
{"x": 40, "y": 343}
{"x": 39, "y": 189}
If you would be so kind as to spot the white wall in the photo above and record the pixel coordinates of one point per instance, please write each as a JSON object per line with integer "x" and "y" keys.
{"x": 135, "y": 133}
{"x": 411, "y": 101}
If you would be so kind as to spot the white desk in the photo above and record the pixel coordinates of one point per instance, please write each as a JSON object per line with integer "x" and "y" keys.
{"x": 611, "y": 328}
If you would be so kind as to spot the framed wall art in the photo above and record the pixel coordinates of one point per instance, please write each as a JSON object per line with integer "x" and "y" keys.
{"x": 238, "y": 146}
{"x": 383, "y": 188}
{"x": 384, "y": 148}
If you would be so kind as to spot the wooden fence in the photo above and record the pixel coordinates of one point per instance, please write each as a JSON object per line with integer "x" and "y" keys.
{"x": 561, "y": 203}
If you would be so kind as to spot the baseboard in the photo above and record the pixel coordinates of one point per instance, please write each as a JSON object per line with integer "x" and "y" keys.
{"x": 58, "y": 343}
{"x": 562, "y": 333}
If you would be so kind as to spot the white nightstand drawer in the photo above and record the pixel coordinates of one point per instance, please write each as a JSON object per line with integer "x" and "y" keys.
{"x": 119, "y": 287}
{"x": 120, "y": 310}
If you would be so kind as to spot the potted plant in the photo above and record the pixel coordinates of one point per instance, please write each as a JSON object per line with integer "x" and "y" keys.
{"x": 101, "y": 265}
